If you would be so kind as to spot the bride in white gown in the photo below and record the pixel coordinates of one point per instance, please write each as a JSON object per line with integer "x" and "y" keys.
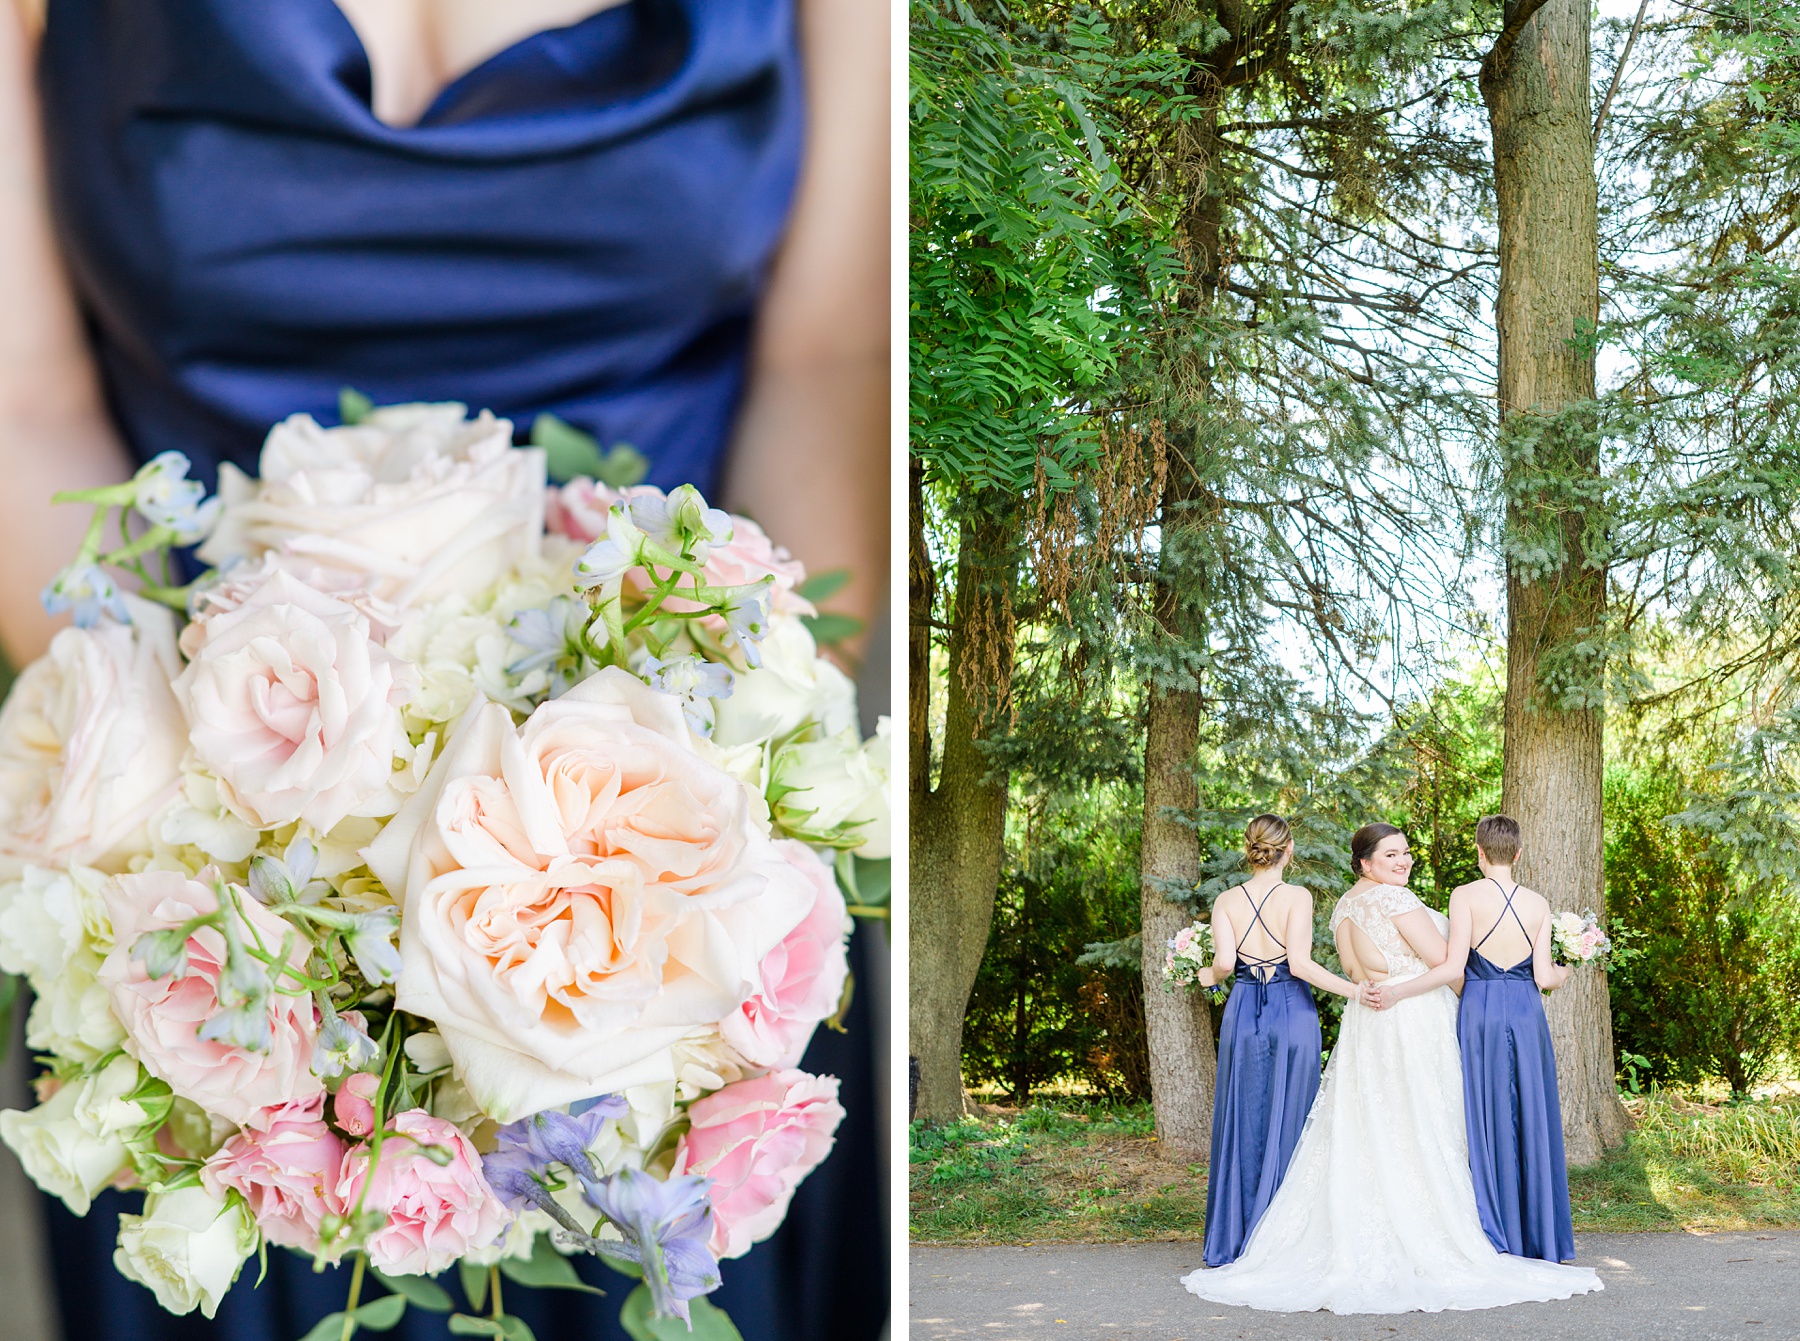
{"x": 1377, "y": 1211}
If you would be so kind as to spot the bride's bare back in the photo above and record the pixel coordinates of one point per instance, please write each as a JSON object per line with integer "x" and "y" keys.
{"x": 1383, "y": 930}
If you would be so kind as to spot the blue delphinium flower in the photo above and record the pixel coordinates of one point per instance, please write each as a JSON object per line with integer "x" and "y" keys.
{"x": 525, "y": 1150}
{"x": 694, "y": 682}
{"x": 167, "y": 497}
{"x": 747, "y": 617}
{"x": 87, "y": 590}
{"x": 667, "y": 1224}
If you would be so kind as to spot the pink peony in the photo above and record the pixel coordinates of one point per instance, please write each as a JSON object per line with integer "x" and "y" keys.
{"x": 288, "y": 1173}
{"x": 162, "y": 1017}
{"x": 294, "y": 707}
{"x": 757, "y": 1140}
{"x": 436, "y": 1214}
{"x": 802, "y": 978}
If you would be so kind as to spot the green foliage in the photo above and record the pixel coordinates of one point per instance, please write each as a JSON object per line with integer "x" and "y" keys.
{"x": 1716, "y": 989}
{"x": 708, "y": 1322}
{"x": 1028, "y": 260}
{"x": 569, "y": 452}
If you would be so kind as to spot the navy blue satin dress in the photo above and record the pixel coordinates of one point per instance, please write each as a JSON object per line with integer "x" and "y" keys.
{"x": 1512, "y": 1110}
{"x": 1268, "y": 1076}
{"x": 581, "y": 225}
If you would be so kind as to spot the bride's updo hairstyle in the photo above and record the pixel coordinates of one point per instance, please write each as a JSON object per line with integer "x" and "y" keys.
{"x": 1364, "y": 842}
{"x": 1265, "y": 840}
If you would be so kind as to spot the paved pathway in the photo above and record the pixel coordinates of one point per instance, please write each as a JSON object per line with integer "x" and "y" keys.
{"x": 1686, "y": 1287}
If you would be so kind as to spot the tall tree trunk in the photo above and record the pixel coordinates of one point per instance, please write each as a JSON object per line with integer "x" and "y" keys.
{"x": 958, "y": 826}
{"x": 1535, "y": 83}
{"x": 1177, "y": 1025}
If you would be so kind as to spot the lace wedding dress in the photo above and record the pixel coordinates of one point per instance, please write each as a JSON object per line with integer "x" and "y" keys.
{"x": 1377, "y": 1212}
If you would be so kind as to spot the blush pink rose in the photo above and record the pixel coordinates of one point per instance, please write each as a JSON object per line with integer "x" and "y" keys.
{"x": 162, "y": 1017}
{"x": 757, "y": 1140}
{"x": 288, "y": 1173}
{"x": 91, "y": 740}
{"x": 802, "y": 978}
{"x": 354, "y": 1104}
{"x": 294, "y": 707}
{"x": 578, "y": 510}
{"x": 580, "y": 894}
{"x": 435, "y": 1214}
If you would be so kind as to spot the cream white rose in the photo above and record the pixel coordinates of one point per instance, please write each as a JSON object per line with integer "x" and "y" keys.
{"x": 414, "y": 503}
{"x": 294, "y": 708}
{"x": 54, "y": 930}
{"x": 91, "y": 741}
{"x": 836, "y": 791}
{"x": 75, "y": 1141}
{"x": 793, "y": 687}
{"x": 579, "y": 894}
{"x": 187, "y": 1247}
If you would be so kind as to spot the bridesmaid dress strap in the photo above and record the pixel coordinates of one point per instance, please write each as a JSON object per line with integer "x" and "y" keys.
{"x": 1508, "y": 894}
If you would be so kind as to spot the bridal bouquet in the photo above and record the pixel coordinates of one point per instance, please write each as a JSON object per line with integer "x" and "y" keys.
{"x": 452, "y": 876}
{"x": 1189, "y": 951}
{"x": 1577, "y": 938}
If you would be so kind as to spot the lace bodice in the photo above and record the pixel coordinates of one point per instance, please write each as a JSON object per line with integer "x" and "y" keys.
{"x": 1373, "y": 910}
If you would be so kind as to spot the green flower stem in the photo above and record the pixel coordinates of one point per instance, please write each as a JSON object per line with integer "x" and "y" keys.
{"x": 356, "y": 1280}
{"x": 494, "y": 1292}
{"x": 382, "y": 1094}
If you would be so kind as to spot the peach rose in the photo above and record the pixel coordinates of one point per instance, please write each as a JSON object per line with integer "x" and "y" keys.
{"x": 757, "y": 1140}
{"x": 436, "y": 1214}
{"x": 294, "y": 707}
{"x": 288, "y": 1173}
{"x": 91, "y": 740}
{"x": 414, "y": 503}
{"x": 802, "y": 978}
{"x": 579, "y": 894}
{"x": 162, "y": 1016}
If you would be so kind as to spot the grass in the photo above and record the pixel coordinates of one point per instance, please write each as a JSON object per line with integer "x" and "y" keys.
{"x": 1075, "y": 1170}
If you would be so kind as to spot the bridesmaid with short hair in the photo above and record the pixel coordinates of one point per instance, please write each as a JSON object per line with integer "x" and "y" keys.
{"x": 1269, "y": 1042}
{"x": 1500, "y": 948}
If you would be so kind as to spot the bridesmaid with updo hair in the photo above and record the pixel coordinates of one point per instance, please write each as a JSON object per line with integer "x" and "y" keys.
{"x": 1269, "y": 1042}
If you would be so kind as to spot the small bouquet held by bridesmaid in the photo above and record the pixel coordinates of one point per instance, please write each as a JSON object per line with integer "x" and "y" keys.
{"x": 1577, "y": 938}
{"x": 1189, "y": 951}
{"x": 452, "y": 876}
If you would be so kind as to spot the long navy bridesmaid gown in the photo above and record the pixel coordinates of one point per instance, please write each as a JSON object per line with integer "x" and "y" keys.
{"x": 1511, "y": 1106}
{"x": 1268, "y": 1076}
{"x": 582, "y": 224}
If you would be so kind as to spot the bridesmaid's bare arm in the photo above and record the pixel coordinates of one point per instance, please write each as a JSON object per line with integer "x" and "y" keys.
{"x": 1546, "y": 972}
{"x": 810, "y": 460}
{"x": 54, "y": 430}
{"x": 1224, "y": 950}
{"x": 1299, "y": 950}
{"x": 1449, "y": 973}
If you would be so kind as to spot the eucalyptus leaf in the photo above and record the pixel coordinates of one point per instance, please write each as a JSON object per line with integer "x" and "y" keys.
{"x": 823, "y": 586}
{"x": 474, "y": 1283}
{"x": 709, "y": 1323}
{"x": 568, "y": 452}
{"x": 420, "y": 1291}
{"x": 328, "y": 1328}
{"x": 380, "y": 1314}
{"x": 462, "y": 1324}
{"x": 831, "y": 628}
{"x": 353, "y": 406}
{"x": 545, "y": 1269}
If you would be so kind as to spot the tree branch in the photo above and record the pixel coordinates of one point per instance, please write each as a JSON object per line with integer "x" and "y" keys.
{"x": 1619, "y": 69}
{"x": 1493, "y": 65}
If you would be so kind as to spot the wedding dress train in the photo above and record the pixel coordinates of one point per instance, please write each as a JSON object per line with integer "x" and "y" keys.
{"x": 1377, "y": 1212}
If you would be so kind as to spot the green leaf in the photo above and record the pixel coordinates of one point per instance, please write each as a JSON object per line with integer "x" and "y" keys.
{"x": 474, "y": 1283}
{"x": 823, "y": 586}
{"x": 831, "y": 628}
{"x": 461, "y": 1324}
{"x": 9, "y": 996}
{"x": 514, "y": 1329}
{"x": 420, "y": 1291}
{"x": 710, "y": 1324}
{"x": 545, "y": 1269}
{"x": 568, "y": 451}
{"x": 867, "y": 882}
{"x": 328, "y": 1328}
{"x": 380, "y": 1314}
{"x": 353, "y": 406}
